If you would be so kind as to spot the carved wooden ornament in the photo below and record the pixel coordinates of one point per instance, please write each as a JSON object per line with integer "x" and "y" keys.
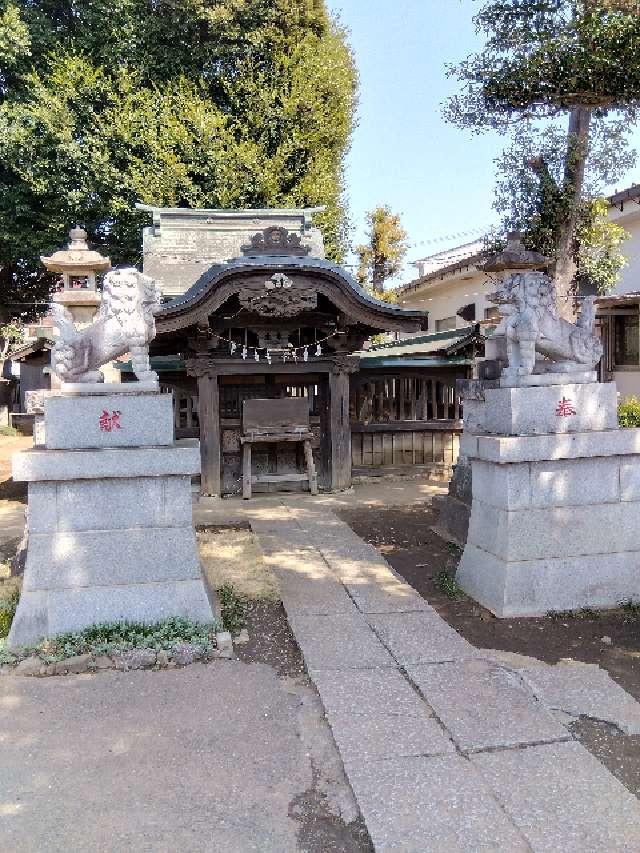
{"x": 278, "y": 296}
{"x": 275, "y": 241}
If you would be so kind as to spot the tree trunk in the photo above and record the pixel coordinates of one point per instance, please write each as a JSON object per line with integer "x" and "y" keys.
{"x": 577, "y": 150}
{"x": 377, "y": 279}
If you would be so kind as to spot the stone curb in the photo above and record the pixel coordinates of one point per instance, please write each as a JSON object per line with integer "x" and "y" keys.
{"x": 183, "y": 654}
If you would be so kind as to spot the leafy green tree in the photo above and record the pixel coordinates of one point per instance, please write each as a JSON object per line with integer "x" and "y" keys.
{"x": 11, "y": 336}
{"x": 381, "y": 257}
{"x": 209, "y": 103}
{"x": 542, "y": 60}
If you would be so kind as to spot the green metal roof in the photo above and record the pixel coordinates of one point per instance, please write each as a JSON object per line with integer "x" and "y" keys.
{"x": 439, "y": 349}
{"x": 425, "y": 361}
{"x": 423, "y": 343}
{"x": 159, "y": 363}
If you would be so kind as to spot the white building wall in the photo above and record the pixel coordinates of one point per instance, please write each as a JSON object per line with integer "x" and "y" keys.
{"x": 629, "y": 218}
{"x": 443, "y": 298}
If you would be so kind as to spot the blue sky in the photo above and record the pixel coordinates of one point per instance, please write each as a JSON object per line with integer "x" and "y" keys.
{"x": 439, "y": 178}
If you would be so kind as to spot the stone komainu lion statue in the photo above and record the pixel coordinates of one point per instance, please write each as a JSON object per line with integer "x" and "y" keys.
{"x": 531, "y": 325}
{"x": 125, "y": 324}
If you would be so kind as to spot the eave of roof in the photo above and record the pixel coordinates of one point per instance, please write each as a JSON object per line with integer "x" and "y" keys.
{"x": 620, "y": 299}
{"x": 630, "y": 194}
{"x": 446, "y": 336}
{"x": 240, "y": 212}
{"x": 443, "y": 272}
{"x": 31, "y": 348}
{"x": 367, "y": 361}
{"x": 439, "y": 346}
{"x": 218, "y": 272}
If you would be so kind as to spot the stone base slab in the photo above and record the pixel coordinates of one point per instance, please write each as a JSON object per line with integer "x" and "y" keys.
{"x": 72, "y": 389}
{"x": 38, "y": 465}
{"x": 453, "y": 519}
{"x": 546, "y": 410}
{"x": 554, "y": 522}
{"x": 108, "y": 420}
{"x": 43, "y": 613}
{"x": 110, "y": 538}
{"x": 536, "y": 587}
{"x": 536, "y": 380}
{"x": 88, "y": 558}
{"x": 535, "y": 448}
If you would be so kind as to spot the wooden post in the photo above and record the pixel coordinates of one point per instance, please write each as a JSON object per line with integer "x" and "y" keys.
{"x": 246, "y": 470}
{"x": 340, "y": 430}
{"x": 209, "y": 433}
{"x": 311, "y": 468}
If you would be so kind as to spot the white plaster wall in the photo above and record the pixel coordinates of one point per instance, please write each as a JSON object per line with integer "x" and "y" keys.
{"x": 627, "y": 382}
{"x": 629, "y": 218}
{"x": 443, "y": 298}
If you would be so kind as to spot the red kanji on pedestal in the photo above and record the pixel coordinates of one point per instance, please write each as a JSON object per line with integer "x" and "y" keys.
{"x": 565, "y": 408}
{"x": 109, "y": 422}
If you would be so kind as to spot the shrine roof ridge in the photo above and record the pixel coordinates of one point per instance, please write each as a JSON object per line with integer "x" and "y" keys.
{"x": 252, "y": 212}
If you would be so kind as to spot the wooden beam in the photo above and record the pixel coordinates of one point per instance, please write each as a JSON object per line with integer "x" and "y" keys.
{"x": 209, "y": 434}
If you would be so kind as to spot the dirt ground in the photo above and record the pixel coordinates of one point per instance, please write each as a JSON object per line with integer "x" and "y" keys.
{"x": 610, "y": 639}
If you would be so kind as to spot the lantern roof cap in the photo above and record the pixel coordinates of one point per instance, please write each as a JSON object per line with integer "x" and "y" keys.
{"x": 515, "y": 257}
{"x": 77, "y": 256}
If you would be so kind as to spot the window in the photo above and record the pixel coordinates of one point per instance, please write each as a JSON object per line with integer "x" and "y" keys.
{"x": 468, "y": 312}
{"x": 445, "y": 324}
{"x": 492, "y": 313}
{"x": 626, "y": 339}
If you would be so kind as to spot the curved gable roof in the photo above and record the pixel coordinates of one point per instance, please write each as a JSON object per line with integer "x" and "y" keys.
{"x": 222, "y": 281}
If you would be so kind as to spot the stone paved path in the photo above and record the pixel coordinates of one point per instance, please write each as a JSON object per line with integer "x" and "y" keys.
{"x": 446, "y": 747}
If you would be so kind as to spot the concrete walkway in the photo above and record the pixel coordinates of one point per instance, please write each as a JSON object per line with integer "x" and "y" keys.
{"x": 446, "y": 747}
{"x": 224, "y": 758}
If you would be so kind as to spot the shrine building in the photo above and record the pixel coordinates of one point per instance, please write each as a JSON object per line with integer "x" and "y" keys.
{"x": 257, "y": 312}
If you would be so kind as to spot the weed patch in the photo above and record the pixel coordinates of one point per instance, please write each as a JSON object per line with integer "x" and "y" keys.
{"x": 233, "y": 609}
{"x": 447, "y": 584}
{"x": 8, "y": 606}
{"x": 112, "y": 637}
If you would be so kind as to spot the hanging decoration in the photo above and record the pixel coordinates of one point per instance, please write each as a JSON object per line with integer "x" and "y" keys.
{"x": 290, "y": 354}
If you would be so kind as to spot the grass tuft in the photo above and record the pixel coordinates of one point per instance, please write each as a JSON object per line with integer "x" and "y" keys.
{"x": 233, "y": 609}
{"x": 447, "y": 584}
{"x": 8, "y": 605}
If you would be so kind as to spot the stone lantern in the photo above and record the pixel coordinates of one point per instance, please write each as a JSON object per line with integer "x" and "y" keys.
{"x": 79, "y": 266}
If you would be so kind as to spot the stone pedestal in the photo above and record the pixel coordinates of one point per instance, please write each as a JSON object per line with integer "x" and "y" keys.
{"x": 110, "y": 527}
{"x": 555, "y": 518}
